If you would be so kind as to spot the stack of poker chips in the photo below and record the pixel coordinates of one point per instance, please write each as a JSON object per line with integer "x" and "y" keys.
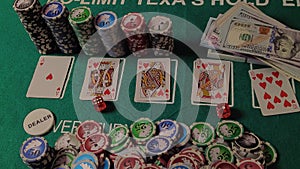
{"x": 36, "y": 153}
{"x": 30, "y": 15}
{"x": 82, "y": 21}
{"x": 112, "y": 37}
{"x": 134, "y": 27}
{"x": 56, "y": 17}
{"x": 160, "y": 29}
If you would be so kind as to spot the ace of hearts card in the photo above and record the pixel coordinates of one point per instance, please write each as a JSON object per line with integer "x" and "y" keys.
{"x": 101, "y": 78}
{"x": 153, "y": 80}
{"x": 50, "y": 77}
{"x": 273, "y": 92}
{"x": 210, "y": 81}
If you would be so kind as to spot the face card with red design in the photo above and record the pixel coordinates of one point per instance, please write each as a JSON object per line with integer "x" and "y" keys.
{"x": 273, "y": 91}
{"x": 101, "y": 78}
{"x": 50, "y": 77}
{"x": 210, "y": 81}
{"x": 153, "y": 80}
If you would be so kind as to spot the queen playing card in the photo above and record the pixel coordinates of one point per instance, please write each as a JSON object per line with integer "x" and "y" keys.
{"x": 153, "y": 80}
{"x": 101, "y": 78}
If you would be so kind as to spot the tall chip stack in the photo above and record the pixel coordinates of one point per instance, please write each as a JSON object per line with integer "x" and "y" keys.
{"x": 160, "y": 29}
{"x": 30, "y": 16}
{"x": 56, "y": 16}
{"x": 108, "y": 28}
{"x": 82, "y": 21}
{"x": 134, "y": 27}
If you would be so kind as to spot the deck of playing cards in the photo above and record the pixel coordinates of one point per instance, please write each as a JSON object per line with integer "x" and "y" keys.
{"x": 153, "y": 80}
{"x": 273, "y": 92}
{"x": 50, "y": 77}
{"x": 101, "y": 78}
{"x": 210, "y": 81}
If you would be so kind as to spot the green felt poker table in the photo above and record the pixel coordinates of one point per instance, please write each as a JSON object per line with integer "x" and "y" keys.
{"x": 19, "y": 58}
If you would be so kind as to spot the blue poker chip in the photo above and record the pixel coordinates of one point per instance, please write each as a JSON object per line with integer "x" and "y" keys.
{"x": 180, "y": 166}
{"x": 105, "y": 20}
{"x": 185, "y": 134}
{"x": 53, "y": 9}
{"x": 168, "y": 128}
{"x": 33, "y": 149}
{"x": 106, "y": 164}
{"x": 84, "y": 165}
{"x": 158, "y": 145}
{"x": 83, "y": 156}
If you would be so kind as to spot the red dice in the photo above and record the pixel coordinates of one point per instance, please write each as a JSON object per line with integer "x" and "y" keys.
{"x": 223, "y": 110}
{"x": 99, "y": 103}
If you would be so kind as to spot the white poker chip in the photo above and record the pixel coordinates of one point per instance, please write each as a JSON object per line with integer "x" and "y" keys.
{"x": 38, "y": 122}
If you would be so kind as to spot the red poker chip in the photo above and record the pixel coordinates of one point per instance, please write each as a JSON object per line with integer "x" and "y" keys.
{"x": 130, "y": 162}
{"x": 224, "y": 165}
{"x": 151, "y": 166}
{"x": 249, "y": 163}
{"x": 199, "y": 158}
{"x": 179, "y": 158}
{"x": 87, "y": 128}
{"x": 96, "y": 143}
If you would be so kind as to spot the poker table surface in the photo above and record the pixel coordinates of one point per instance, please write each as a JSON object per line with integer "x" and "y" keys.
{"x": 19, "y": 58}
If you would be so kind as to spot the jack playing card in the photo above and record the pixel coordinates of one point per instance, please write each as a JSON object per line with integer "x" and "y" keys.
{"x": 101, "y": 78}
{"x": 153, "y": 80}
{"x": 273, "y": 91}
{"x": 210, "y": 81}
{"x": 50, "y": 77}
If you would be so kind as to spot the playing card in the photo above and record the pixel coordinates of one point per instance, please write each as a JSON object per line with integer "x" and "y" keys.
{"x": 273, "y": 91}
{"x": 153, "y": 80}
{"x": 101, "y": 78}
{"x": 50, "y": 77}
{"x": 210, "y": 81}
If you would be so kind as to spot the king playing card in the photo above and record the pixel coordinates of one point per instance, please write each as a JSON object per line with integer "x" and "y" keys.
{"x": 153, "y": 80}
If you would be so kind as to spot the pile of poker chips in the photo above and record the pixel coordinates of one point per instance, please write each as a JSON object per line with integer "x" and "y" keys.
{"x": 164, "y": 144}
{"x": 82, "y": 21}
{"x": 108, "y": 28}
{"x": 160, "y": 30}
{"x": 56, "y": 16}
{"x": 34, "y": 24}
{"x": 134, "y": 27}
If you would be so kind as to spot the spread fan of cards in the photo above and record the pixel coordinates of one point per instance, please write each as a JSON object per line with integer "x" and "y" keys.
{"x": 50, "y": 77}
{"x": 210, "y": 81}
{"x": 273, "y": 91}
{"x": 153, "y": 80}
{"x": 101, "y": 78}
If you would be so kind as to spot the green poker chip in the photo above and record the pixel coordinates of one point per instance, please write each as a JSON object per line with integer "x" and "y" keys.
{"x": 202, "y": 133}
{"x": 270, "y": 153}
{"x": 121, "y": 147}
{"x": 229, "y": 130}
{"x": 216, "y": 152}
{"x": 142, "y": 130}
{"x": 80, "y": 15}
{"x": 119, "y": 135}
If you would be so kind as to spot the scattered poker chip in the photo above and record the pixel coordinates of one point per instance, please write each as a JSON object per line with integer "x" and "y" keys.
{"x": 129, "y": 162}
{"x": 195, "y": 154}
{"x": 38, "y": 122}
{"x": 62, "y": 167}
{"x": 111, "y": 34}
{"x": 67, "y": 140}
{"x": 96, "y": 143}
{"x": 106, "y": 164}
{"x": 87, "y": 128}
{"x": 202, "y": 133}
{"x": 118, "y": 135}
{"x": 246, "y": 163}
{"x": 240, "y": 154}
{"x": 249, "y": 141}
{"x": 185, "y": 134}
{"x": 142, "y": 130}
{"x": 180, "y": 166}
{"x": 270, "y": 153}
{"x": 158, "y": 145}
{"x": 84, "y": 165}
{"x": 168, "y": 128}
{"x": 64, "y": 157}
{"x": 216, "y": 152}
{"x": 150, "y": 166}
{"x": 35, "y": 26}
{"x": 56, "y": 17}
{"x": 82, "y": 156}
{"x": 184, "y": 159}
{"x": 223, "y": 165}
{"x": 121, "y": 147}
{"x": 229, "y": 130}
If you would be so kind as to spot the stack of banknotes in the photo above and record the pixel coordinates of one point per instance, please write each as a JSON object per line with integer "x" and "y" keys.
{"x": 246, "y": 32}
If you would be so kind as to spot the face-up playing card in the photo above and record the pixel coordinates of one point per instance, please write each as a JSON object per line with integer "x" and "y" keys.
{"x": 101, "y": 78}
{"x": 273, "y": 91}
{"x": 50, "y": 77}
{"x": 210, "y": 81}
{"x": 153, "y": 80}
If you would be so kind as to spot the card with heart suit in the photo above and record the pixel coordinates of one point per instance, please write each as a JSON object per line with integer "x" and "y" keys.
{"x": 210, "y": 81}
{"x": 273, "y": 91}
{"x": 153, "y": 80}
{"x": 101, "y": 78}
{"x": 50, "y": 77}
